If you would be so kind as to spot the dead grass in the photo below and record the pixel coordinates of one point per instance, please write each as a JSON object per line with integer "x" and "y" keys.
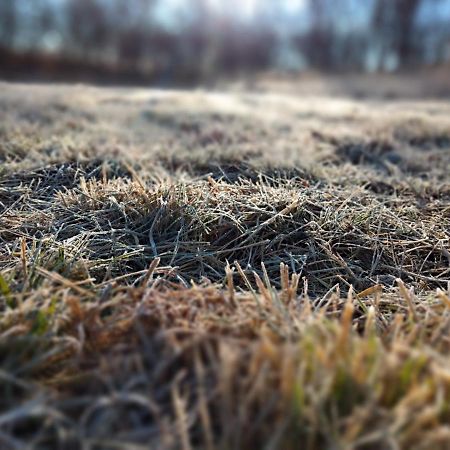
{"x": 244, "y": 283}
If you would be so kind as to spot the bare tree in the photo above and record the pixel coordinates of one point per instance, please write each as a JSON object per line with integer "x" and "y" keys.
{"x": 87, "y": 28}
{"x": 8, "y": 23}
{"x": 394, "y": 26}
{"x": 317, "y": 45}
{"x": 43, "y": 25}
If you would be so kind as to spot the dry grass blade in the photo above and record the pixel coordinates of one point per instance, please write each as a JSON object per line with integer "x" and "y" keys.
{"x": 182, "y": 420}
{"x": 151, "y": 270}
{"x": 408, "y": 298}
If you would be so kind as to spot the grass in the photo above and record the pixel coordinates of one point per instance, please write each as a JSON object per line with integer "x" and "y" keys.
{"x": 218, "y": 271}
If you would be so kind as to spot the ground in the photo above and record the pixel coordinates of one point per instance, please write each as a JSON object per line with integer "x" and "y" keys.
{"x": 241, "y": 269}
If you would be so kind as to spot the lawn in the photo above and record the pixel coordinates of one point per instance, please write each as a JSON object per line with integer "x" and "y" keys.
{"x": 223, "y": 270}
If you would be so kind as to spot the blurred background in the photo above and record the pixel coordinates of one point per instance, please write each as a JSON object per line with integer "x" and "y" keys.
{"x": 191, "y": 42}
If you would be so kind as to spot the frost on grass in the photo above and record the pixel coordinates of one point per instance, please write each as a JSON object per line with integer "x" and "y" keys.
{"x": 184, "y": 276}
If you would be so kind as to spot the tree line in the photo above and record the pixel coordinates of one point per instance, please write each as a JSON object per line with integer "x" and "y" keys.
{"x": 332, "y": 35}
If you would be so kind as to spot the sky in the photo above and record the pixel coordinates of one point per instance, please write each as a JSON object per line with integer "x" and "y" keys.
{"x": 245, "y": 9}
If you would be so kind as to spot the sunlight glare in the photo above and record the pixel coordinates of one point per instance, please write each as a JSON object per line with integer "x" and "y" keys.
{"x": 245, "y": 8}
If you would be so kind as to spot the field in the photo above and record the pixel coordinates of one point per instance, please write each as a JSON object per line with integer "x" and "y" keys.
{"x": 240, "y": 270}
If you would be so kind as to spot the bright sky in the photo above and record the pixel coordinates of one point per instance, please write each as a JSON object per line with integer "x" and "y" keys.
{"x": 247, "y": 7}
{"x": 244, "y": 8}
